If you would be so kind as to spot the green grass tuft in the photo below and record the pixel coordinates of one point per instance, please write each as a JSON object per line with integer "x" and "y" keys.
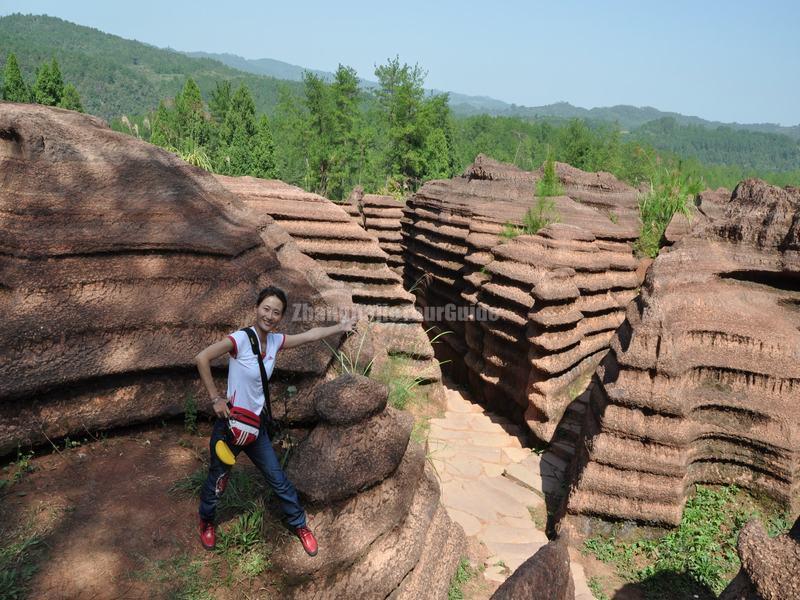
{"x": 190, "y": 414}
{"x": 351, "y": 363}
{"x": 510, "y": 231}
{"x": 596, "y": 587}
{"x": 671, "y": 191}
{"x": 549, "y": 185}
{"x": 698, "y": 558}
{"x": 179, "y": 575}
{"x": 464, "y": 572}
{"x": 538, "y": 216}
{"x": 17, "y": 564}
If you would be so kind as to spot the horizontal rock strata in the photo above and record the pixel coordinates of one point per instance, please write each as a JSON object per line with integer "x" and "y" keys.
{"x": 119, "y": 263}
{"x": 380, "y": 216}
{"x": 351, "y": 257}
{"x": 530, "y": 317}
{"x": 374, "y": 506}
{"x": 703, "y": 381}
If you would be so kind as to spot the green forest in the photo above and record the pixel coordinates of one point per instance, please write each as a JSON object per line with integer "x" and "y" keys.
{"x": 48, "y": 88}
{"x": 115, "y": 76}
{"x": 329, "y": 137}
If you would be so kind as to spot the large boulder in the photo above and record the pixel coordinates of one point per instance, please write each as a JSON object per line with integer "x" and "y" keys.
{"x": 702, "y": 383}
{"x": 347, "y": 528}
{"x": 337, "y": 461}
{"x": 119, "y": 263}
{"x": 373, "y": 503}
{"x": 770, "y": 566}
{"x": 546, "y": 574}
{"x": 349, "y": 399}
{"x": 388, "y": 560}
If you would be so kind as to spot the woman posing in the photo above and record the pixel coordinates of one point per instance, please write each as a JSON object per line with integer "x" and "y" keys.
{"x": 245, "y": 400}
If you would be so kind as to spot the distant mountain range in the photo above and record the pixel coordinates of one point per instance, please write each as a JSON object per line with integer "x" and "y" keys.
{"x": 628, "y": 117}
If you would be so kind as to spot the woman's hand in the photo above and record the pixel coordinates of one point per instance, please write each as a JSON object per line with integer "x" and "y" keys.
{"x": 221, "y": 407}
{"x": 346, "y": 325}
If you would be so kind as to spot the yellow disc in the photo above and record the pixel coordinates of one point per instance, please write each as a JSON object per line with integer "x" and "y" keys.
{"x": 224, "y": 453}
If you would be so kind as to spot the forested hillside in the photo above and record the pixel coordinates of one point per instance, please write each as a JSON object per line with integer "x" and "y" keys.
{"x": 115, "y": 76}
{"x": 723, "y": 145}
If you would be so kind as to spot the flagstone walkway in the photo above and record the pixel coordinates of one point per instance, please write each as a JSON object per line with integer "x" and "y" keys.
{"x": 491, "y": 482}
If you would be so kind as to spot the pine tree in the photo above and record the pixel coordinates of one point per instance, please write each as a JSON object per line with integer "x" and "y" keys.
{"x": 400, "y": 96}
{"x": 220, "y": 101}
{"x": 345, "y": 138}
{"x": 237, "y": 135}
{"x": 549, "y": 184}
{"x": 165, "y": 127}
{"x": 193, "y": 127}
{"x": 435, "y": 123}
{"x": 437, "y": 156}
{"x": 576, "y": 145}
{"x": 70, "y": 99}
{"x": 263, "y": 155}
{"x": 49, "y": 85}
{"x": 290, "y": 134}
{"x": 14, "y": 88}
{"x": 320, "y": 127}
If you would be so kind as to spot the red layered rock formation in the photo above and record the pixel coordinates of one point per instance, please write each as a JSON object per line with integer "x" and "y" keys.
{"x": 350, "y": 256}
{"x": 119, "y": 263}
{"x": 709, "y": 207}
{"x": 374, "y": 503}
{"x": 703, "y": 381}
{"x": 325, "y": 232}
{"x": 380, "y": 215}
{"x": 552, "y": 299}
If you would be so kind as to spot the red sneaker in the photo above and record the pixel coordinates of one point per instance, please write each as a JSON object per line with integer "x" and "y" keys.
{"x": 308, "y": 540}
{"x": 208, "y": 534}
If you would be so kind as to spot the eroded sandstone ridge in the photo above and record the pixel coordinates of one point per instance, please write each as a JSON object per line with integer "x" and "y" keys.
{"x": 703, "y": 380}
{"x": 119, "y": 262}
{"x": 547, "y": 304}
{"x": 373, "y": 501}
{"x": 380, "y": 215}
{"x": 351, "y": 257}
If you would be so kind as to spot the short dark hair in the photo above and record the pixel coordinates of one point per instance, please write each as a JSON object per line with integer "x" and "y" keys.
{"x": 272, "y": 290}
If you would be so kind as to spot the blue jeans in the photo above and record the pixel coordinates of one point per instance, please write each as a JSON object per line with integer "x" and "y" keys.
{"x": 263, "y": 457}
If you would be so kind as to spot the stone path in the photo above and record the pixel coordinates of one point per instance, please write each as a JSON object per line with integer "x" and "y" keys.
{"x": 490, "y": 481}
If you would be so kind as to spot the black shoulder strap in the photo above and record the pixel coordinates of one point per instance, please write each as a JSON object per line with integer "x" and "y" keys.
{"x": 256, "y": 346}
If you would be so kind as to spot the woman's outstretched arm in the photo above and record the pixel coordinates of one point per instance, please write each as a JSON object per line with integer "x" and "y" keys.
{"x": 317, "y": 333}
{"x": 203, "y": 360}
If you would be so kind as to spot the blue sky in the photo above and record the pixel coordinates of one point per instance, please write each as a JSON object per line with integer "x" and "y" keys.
{"x": 727, "y": 61}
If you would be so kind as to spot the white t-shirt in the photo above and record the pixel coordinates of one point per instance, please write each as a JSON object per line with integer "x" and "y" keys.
{"x": 244, "y": 376}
